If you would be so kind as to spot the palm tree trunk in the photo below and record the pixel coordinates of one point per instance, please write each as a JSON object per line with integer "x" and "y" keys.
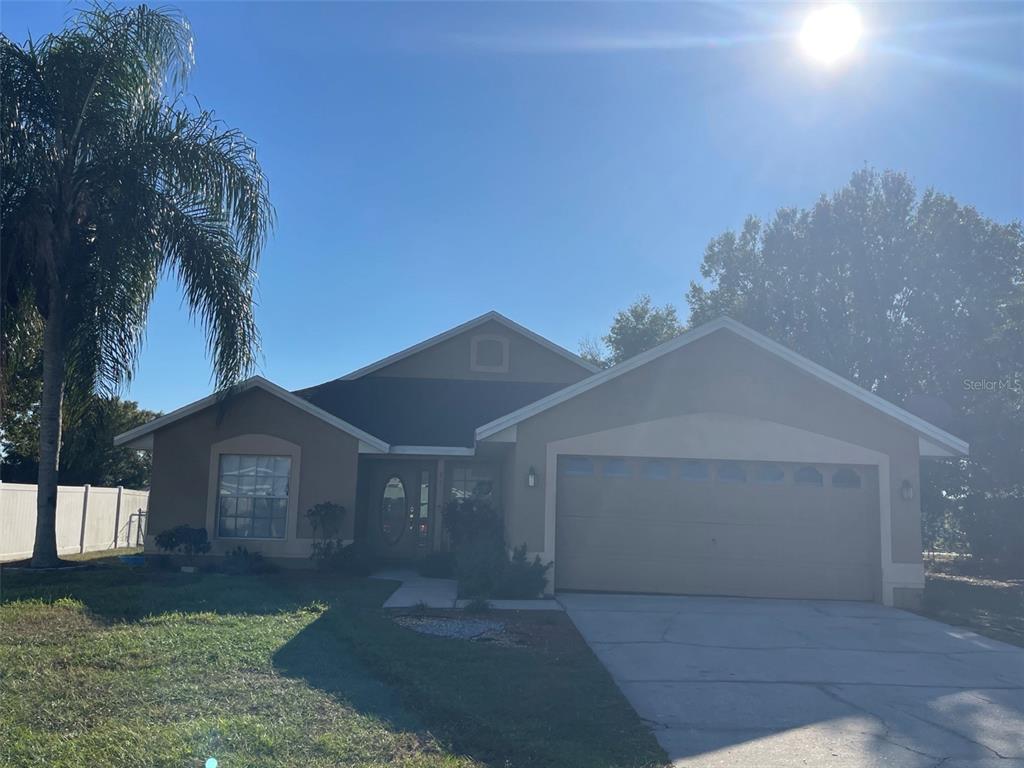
{"x": 44, "y": 554}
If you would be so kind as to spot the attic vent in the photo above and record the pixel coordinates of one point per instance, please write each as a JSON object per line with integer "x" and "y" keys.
{"x": 489, "y": 354}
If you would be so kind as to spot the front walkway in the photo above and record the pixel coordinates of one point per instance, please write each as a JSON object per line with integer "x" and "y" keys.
{"x": 418, "y": 590}
{"x": 769, "y": 683}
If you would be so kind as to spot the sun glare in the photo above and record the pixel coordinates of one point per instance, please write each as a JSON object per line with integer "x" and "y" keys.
{"x": 830, "y": 33}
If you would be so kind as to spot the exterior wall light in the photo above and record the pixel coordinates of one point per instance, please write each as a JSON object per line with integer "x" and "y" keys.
{"x": 531, "y": 477}
{"x": 907, "y": 490}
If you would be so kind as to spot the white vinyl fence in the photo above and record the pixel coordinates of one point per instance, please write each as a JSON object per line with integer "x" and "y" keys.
{"x": 89, "y": 518}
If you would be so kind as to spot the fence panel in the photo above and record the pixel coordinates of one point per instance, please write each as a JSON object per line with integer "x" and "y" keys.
{"x": 88, "y": 519}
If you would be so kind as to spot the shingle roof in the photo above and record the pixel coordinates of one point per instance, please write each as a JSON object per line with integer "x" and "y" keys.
{"x": 413, "y": 411}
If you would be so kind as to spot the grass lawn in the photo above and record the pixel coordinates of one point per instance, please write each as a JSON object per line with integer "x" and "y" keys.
{"x": 991, "y": 607}
{"x": 115, "y": 666}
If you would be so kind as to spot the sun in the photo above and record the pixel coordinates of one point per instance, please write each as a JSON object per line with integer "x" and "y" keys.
{"x": 831, "y": 33}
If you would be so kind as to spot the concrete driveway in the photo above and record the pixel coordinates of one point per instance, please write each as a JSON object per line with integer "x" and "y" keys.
{"x": 736, "y": 682}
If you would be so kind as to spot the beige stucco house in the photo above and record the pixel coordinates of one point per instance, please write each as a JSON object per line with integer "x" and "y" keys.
{"x": 718, "y": 463}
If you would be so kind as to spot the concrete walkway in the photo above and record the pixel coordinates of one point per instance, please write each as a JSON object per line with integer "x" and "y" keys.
{"x": 768, "y": 683}
{"x": 418, "y": 590}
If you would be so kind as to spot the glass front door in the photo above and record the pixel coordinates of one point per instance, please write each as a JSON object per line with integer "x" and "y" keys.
{"x": 400, "y": 499}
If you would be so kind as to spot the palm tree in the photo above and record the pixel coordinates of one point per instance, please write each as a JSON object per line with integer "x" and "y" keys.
{"x": 109, "y": 181}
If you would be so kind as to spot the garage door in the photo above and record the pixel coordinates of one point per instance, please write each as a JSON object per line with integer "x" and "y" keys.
{"x": 696, "y": 526}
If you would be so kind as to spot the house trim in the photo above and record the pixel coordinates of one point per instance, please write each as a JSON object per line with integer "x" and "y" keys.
{"x": 138, "y": 437}
{"x": 475, "y": 322}
{"x": 940, "y": 439}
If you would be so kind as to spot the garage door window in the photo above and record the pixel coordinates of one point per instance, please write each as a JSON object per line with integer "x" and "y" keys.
{"x": 808, "y": 476}
{"x": 844, "y": 477}
{"x": 695, "y": 470}
{"x": 616, "y": 468}
{"x": 731, "y": 472}
{"x": 656, "y": 470}
{"x": 579, "y": 467}
{"x": 769, "y": 474}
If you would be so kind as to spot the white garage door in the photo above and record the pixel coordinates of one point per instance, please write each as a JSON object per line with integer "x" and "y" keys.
{"x": 694, "y": 526}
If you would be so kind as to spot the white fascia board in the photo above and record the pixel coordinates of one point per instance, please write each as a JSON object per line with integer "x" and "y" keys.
{"x": 940, "y": 437}
{"x": 469, "y": 325}
{"x": 432, "y": 450}
{"x": 371, "y": 442}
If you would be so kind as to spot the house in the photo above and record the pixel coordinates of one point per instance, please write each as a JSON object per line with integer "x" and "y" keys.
{"x": 718, "y": 463}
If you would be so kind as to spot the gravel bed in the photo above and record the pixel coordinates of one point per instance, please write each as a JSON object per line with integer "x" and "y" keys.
{"x": 462, "y": 629}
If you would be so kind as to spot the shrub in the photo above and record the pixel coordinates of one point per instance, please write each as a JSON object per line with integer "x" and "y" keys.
{"x": 357, "y": 559}
{"x": 482, "y": 564}
{"x": 994, "y": 528}
{"x": 326, "y": 518}
{"x": 185, "y": 539}
{"x": 437, "y": 565}
{"x": 477, "y": 605}
{"x": 522, "y": 579}
{"x": 241, "y": 560}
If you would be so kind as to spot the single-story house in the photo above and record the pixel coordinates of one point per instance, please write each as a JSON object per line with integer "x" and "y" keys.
{"x": 718, "y": 463}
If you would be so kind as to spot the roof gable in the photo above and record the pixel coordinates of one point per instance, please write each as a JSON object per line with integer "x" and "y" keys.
{"x": 933, "y": 437}
{"x": 477, "y": 322}
{"x": 368, "y": 442}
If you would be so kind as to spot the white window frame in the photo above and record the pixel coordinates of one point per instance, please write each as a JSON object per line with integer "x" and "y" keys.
{"x": 475, "y": 365}
{"x": 258, "y": 445}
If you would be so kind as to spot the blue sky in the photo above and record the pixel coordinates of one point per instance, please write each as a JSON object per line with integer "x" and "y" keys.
{"x": 429, "y": 162}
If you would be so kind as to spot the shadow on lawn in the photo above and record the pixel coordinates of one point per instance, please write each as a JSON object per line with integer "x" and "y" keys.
{"x": 116, "y": 593}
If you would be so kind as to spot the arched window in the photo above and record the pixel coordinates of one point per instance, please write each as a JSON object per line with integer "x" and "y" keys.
{"x": 808, "y": 476}
{"x": 392, "y": 510}
{"x": 844, "y": 477}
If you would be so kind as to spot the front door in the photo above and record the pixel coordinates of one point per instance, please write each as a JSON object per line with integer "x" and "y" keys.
{"x": 400, "y": 496}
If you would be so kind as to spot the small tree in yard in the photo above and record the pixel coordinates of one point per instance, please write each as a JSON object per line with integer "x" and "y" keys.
{"x": 109, "y": 181}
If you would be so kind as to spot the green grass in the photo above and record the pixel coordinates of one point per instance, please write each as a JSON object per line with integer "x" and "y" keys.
{"x": 115, "y": 666}
{"x": 990, "y": 607}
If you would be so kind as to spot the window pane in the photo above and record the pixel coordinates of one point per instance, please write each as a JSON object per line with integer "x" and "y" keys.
{"x": 656, "y": 470}
{"x": 771, "y": 474}
{"x": 244, "y": 506}
{"x": 579, "y": 467}
{"x": 229, "y": 465}
{"x": 808, "y": 476}
{"x": 261, "y": 507}
{"x": 695, "y": 470}
{"x": 845, "y": 477}
{"x": 731, "y": 472}
{"x": 616, "y": 468}
{"x": 253, "y": 491}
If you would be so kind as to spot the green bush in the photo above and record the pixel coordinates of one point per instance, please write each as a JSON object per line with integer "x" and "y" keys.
{"x": 241, "y": 560}
{"x": 356, "y": 560}
{"x": 482, "y": 564}
{"x": 185, "y": 539}
{"x": 522, "y": 579}
{"x": 994, "y": 528}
